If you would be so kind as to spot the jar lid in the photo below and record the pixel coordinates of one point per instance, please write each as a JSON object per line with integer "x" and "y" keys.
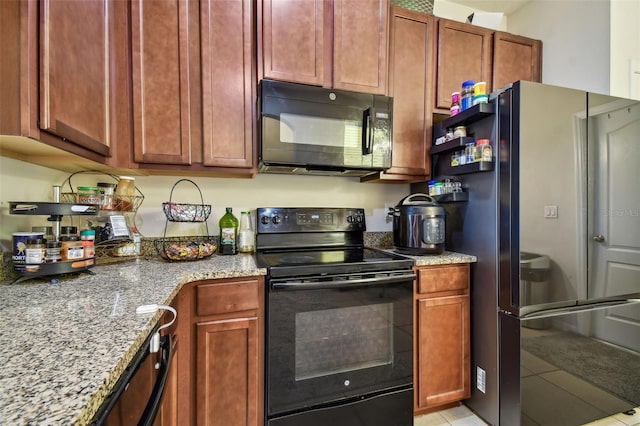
{"x": 53, "y": 244}
{"x": 35, "y": 241}
{"x": 88, "y": 232}
{"x": 468, "y": 83}
{"x": 106, "y": 185}
{"x": 87, "y": 188}
{"x": 127, "y": 178}
{"x": 470, "y": 143}
{"x": 483, "y": 142}
{"x": 70, "y": 238}
{"x": 460, "y": 128}
{"x": 69, "y": 229}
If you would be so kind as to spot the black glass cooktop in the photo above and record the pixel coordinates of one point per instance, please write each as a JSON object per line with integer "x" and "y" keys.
{"x": 310, "y": 262}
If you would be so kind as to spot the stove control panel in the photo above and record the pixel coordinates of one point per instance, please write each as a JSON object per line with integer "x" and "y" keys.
{"x": 308, "y": 219}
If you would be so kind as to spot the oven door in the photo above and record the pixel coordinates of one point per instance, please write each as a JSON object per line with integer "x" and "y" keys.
{"x": 310, "y": 126}
{"x": 337, "y": 338}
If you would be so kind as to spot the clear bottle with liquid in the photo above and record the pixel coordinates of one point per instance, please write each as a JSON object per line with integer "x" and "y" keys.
{"x": 228, "y": 233}
{"x": 246, "y": 235}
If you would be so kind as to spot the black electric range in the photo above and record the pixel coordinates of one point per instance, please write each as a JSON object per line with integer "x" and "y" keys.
{"x": 312, "y": 241}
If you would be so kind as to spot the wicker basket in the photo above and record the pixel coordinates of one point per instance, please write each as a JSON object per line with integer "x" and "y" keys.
{"x": 186, "y": 212}
{"x": 185, "y": 249}
{"x": 182, "y": 212}
{"x": 124, "y": 203}
{"x": 178, "y": 249}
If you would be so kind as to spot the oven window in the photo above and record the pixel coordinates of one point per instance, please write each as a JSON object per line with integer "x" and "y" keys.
{"x": 345, "y": 339}
{"x": 308, "y": 130}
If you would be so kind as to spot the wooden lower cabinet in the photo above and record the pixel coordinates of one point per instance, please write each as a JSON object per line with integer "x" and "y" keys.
{"x": 221, "y": 366}
{"x": 442, "y": 340}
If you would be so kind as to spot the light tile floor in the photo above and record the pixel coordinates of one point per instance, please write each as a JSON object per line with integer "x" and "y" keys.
{"x": 462, "y": 416}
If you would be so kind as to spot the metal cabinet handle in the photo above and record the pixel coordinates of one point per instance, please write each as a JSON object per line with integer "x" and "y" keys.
{"x": 598, "y": 238}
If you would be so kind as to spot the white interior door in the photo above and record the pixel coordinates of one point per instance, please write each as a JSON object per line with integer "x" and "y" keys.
{"x": 615, "y": 244}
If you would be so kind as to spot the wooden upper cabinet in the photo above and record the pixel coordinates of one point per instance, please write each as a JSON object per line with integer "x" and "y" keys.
{"x": 194, "y": 85}
{"x": 293, "y": 41}
{"x": 464, "y": 53}
{"x": 360, "y": 45}
{"x": 161, "y": 32}
{"x": 411, "y": 65}
{"x": 228, "y": 83}
{"x": 515, "y": 58}
{"x": 64, "y": 76}
{"x": 75, "y": 81}
{"x": 340, "y": 44}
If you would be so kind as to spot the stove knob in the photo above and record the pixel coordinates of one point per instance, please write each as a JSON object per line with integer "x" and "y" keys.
{"x": 350, "y": 219}
{"x": 276, "y": 220}
{"x": 265, "y": 220}
{"x": 359, "y": 219}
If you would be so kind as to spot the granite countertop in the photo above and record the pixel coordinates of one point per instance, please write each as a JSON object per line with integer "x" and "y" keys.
{"x": 64, "y": 346}
{"x": 446, "y": 258}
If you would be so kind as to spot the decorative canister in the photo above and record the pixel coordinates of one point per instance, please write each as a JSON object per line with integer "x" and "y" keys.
{"x": 89, "y": 195}
{"x": 480, "y": 88}
{"x": 466, "y": 101}
{"x": 107, "y": 191}
{"x": 20, "y": 247}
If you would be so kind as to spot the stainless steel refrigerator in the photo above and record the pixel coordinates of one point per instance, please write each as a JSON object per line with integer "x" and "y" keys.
{"x": 554, "y": 221}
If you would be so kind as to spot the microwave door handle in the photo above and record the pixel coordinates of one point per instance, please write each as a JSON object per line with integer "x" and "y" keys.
{"x": 366, "y": 131}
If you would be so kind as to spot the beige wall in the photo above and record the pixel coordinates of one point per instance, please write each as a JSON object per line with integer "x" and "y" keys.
{"x": 26, "y": 182}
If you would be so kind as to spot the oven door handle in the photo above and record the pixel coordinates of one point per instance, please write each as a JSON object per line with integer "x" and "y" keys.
{"x": 288, "y": 284}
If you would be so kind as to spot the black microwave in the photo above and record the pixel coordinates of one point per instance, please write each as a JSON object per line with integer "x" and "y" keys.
{"x": 312, "y": 130}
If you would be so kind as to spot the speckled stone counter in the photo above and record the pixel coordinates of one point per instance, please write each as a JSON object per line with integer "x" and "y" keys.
{"x": 63, "y": 346}
{"x": 446, "y": 258}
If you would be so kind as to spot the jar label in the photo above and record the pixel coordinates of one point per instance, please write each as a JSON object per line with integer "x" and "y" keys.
{"x": 228, "y": 236}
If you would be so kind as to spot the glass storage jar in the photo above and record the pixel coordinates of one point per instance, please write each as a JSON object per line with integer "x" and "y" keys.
{"x": 125, "y": 192}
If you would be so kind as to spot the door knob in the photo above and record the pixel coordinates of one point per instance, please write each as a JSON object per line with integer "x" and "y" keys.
{"x": 598, "y": 238}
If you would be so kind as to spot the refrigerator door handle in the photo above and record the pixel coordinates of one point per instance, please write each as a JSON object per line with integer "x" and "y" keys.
{"x": 580, "y": 306}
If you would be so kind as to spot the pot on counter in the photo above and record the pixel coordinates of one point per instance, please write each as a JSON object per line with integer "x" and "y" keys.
{"x": 418, "y": 225}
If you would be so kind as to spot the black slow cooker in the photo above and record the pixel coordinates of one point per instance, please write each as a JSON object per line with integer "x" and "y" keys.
{"x": 418, "y": 225}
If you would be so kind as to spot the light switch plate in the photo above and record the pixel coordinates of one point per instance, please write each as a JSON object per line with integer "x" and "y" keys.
{"x": 551, "y": 212}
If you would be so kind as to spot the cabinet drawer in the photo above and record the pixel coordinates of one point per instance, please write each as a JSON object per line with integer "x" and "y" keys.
{"x": 222, "y": 298}
{"x": 443, "y": 278}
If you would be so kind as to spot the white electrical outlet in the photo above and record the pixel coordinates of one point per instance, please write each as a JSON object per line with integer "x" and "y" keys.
{"x": 551, "y": 212}
{"x": 481, "y": 380}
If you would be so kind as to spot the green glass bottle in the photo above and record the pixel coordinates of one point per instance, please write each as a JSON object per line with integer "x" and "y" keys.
{"x": 228, "y": 233}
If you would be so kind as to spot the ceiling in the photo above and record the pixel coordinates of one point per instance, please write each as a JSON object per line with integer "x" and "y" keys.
{"x": 505, "y": 6}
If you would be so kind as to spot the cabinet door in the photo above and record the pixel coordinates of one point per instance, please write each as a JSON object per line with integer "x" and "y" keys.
{"x": 228, "y": 83}
{"x": 443, "y": 351}
{"x": 161, "y": 32}
{"x": 76, "y": 83}
{"x": 360, "y": 43}
{"x": 410, "y": 71}
{"x": 227, "y": 368}
{"x": 292, "y": 44}
{"x": 515, "y": 58}
{"x": 464, "y": 53}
